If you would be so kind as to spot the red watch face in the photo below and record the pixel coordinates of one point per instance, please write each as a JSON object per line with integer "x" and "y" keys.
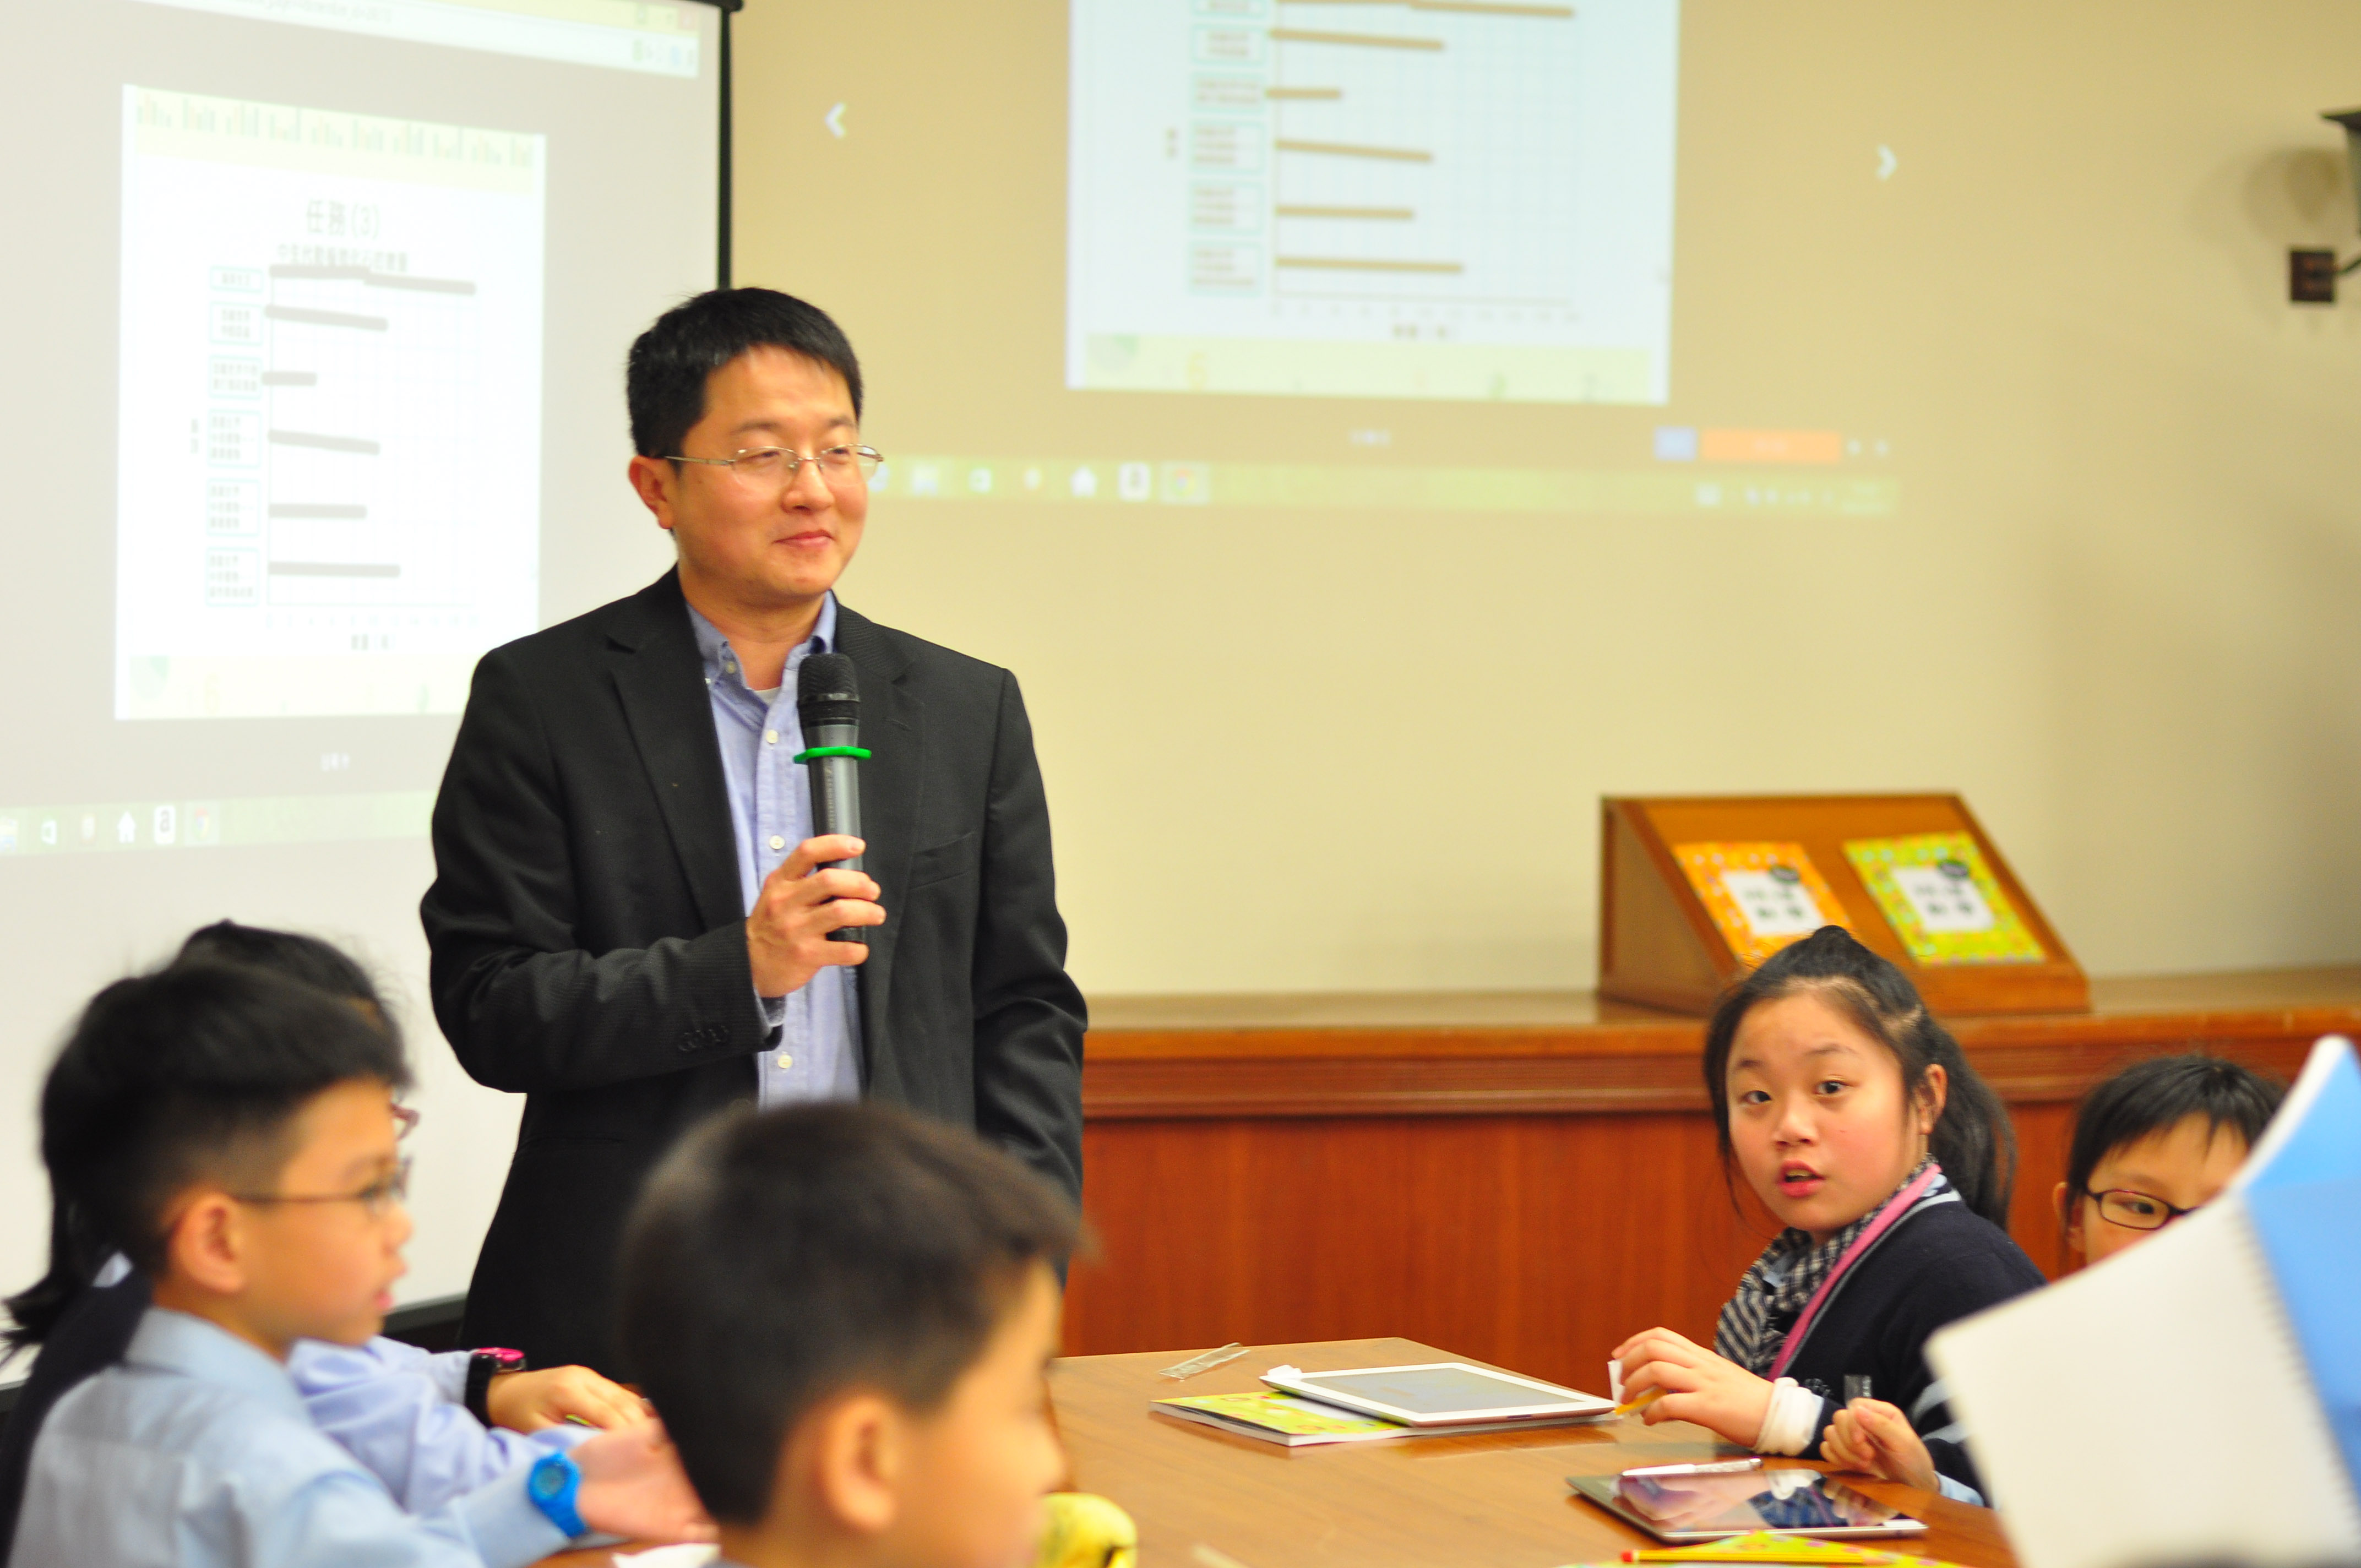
{"x": 509, "y": 1360}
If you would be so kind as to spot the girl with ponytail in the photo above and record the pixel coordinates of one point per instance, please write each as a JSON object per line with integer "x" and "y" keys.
{"x": 1855, "y": 1118}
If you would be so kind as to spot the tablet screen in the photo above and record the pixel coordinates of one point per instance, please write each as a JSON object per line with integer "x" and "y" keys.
{"x": 1773, "y": 1499}
{"x": 1436, "y": 1390}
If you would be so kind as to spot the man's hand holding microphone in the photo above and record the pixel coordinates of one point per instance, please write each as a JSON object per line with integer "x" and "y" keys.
{"x": 787, "y": 934}
{"x": 820, "y": 889}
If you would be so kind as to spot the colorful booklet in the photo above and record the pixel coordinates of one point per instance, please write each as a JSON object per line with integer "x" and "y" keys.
{"x": 1279, "y": 1418}
{"x": 1766, "y": 1547}
{"x": 1298, "y": 1422}
{"x": 1942, "y": 900}
{"x": 1762, "y": 896}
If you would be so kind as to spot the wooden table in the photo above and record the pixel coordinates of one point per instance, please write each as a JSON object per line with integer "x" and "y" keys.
{"x": 1527, "y": 1176}
{"x": 1498, "y": 1500}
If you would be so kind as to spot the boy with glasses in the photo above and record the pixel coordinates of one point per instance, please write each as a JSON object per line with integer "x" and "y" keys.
{"x": 430, "y": 1427}
{"x": 232, "y": 1133}
{"x": 2158, "y": 1140}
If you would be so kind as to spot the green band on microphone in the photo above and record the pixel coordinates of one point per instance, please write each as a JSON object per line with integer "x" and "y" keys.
{"x": 860, "y": 752}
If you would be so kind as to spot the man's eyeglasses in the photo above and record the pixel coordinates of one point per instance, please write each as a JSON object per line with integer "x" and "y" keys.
{"x": 2135, "y": 1211}
{"x": 377, "y": 1200}
{"x": 772, "y": 467}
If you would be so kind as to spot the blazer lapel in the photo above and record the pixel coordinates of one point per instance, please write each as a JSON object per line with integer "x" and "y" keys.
{"x": 893, "y": 728}
{"x": 660, "y": 677}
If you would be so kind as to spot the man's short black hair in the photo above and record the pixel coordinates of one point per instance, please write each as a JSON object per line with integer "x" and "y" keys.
{"x": 780, "y": 1257}
{"x": 2159, "y": 1094}
{"x": 665, "y": 382}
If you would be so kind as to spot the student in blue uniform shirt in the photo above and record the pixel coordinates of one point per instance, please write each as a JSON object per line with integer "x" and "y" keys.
{"x": 232, "y": 1133}
{"x": 430, "y": 1427}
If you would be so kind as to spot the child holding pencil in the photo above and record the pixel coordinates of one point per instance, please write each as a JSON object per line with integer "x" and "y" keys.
{"x": 1858, "y": 1121}
{"x": 2158, "y": 1140}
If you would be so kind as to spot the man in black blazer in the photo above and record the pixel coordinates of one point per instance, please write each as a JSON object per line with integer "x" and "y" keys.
{"x": 622, "y": 928}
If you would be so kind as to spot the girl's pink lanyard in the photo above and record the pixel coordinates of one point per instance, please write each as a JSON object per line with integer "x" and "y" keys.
{"x": 1895, "y": 1207}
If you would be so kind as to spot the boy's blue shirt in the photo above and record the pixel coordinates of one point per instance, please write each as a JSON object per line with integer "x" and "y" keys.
{"x": 198, "y": 1451}
{"x": 400, "y": 1412}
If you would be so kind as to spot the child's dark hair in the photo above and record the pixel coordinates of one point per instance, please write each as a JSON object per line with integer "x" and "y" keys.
{"x": 1972, "y": 1139}
{"x": 2156, "y": 1095}
{"x": 191, "y": 1073}
{"x": 316, "y": 963}
{"x": 777, "y": 1258}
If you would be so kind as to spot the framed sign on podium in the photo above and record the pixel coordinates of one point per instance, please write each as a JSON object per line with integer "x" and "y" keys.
{"x": 1696, "y": 891}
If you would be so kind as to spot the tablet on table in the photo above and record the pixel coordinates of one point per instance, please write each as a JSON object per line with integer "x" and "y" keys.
{"x": 1439, "y": 1394}
{"x": 1710, "y": 1507}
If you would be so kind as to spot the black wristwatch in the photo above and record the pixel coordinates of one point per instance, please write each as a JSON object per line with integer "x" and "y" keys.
{"x": 483, "y": 1366}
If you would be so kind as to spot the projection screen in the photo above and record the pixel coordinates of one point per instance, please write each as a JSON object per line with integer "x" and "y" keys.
{"x": 316, "y": 394}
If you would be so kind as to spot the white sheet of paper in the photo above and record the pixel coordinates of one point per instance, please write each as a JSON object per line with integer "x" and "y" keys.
{"x": 1943, "y": 902}
{"x": 690, "y": 1554}
{"x": 2156, "y": 1407}
{"x": 1774, "y": 907}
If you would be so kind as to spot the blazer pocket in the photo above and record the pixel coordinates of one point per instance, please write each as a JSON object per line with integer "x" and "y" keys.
{"x": 943, "y": 862}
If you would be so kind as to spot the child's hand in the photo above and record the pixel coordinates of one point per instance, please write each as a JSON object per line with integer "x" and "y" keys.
{"x": 1698, "y": 1386}
{"x": 632, "y": 1487}
{"x": 1872, "y": 1437}
{"x": 528, "y": 1401}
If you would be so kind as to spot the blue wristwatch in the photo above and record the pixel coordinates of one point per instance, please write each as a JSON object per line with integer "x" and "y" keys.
{"x": 553, "y": 1484}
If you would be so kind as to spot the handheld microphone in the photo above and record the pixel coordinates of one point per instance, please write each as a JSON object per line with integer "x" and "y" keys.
{"x": 828, "y": 703}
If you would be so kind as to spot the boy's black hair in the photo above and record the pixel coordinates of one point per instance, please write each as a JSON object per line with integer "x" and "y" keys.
{"x": 780, "y": 1257}
{"x": 664, "y": 378}
{"x": 189, "y": 1073}
{"x": 290, "y": 953}
{"x": 1972, "y": 1139}
{"x": 2156, "y": 1095}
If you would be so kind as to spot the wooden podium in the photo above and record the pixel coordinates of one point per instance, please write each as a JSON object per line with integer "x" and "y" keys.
{"x": 1693, "y": 892}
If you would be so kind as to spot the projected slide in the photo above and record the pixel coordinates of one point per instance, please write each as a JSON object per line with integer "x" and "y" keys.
{"x": 1454, "y": 198}
{"x": 330, "y": 459}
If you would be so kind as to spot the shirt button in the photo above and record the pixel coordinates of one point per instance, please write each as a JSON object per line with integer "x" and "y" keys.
{"x": 786, "y": 1061}
{"x": 770, "y": 736}
{"x": 777, "y": 842}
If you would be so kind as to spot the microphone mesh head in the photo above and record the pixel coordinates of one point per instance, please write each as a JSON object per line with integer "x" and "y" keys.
{"x": 828, "y": 691}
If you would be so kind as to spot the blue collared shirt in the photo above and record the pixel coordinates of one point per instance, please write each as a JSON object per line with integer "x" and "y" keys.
{"x": 195, "y": 1452}
{"x": 816, "y": 1053}
{"x": 403, "y": 1414}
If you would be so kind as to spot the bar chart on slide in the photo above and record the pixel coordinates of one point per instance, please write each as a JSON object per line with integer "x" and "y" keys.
{"x": 1412, "y": 198}
{"x": 329, "y": 476}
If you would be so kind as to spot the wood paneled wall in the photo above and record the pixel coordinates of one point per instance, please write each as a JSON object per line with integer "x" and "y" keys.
{"x": 1229, "y": 1207}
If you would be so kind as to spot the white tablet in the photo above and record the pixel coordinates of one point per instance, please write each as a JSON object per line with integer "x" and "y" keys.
{"x": 1439, "y": 1394}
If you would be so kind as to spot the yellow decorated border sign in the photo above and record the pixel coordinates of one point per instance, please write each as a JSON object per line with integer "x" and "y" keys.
{"x": 1942, "y": 900}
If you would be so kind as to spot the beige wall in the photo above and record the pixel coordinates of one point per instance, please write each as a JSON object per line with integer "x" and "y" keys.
{"x": 2119, "y": 608}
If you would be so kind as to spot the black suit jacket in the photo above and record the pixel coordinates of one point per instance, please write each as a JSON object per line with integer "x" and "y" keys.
{"x": 588, "y": 931}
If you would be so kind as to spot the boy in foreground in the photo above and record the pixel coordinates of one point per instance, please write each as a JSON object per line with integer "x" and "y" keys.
{"x": 232, "y": 1133}
{"x": 844, "y": 1313}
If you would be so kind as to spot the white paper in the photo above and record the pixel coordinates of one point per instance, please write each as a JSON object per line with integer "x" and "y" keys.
{"x": 1775, "y": 906}
{"x": 690, "y": 1554}
{"x": 1943, "y": 902}
{"x": 2155, "y": 1408}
